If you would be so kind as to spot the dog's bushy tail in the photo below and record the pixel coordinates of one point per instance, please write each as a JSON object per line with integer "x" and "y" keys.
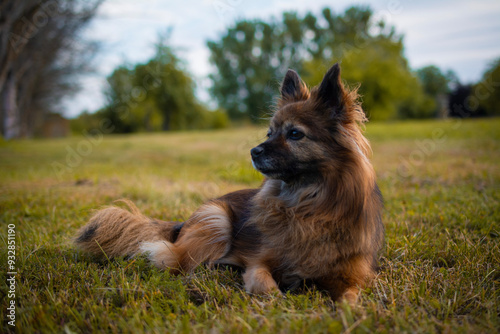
{"x": 114, "y": 231}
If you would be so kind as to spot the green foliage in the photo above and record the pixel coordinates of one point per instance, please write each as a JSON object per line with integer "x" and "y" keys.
{"x": 253, "y": 56}
{"x": 487, "y": 91}
{"x": 436, "y": 85}
{"x": 387, "y": 87}
{"x": 156, "y": 96}
{"x": 250, "y": 61}
{"x": 84, "y": 122}
{"x": 371, "y": 55}
{"x": 217, "y": 119}
{"x": 439, "y": 269}
{"x": 433, "y": 80}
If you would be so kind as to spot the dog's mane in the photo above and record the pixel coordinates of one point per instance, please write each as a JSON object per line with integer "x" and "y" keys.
{"x": 346, "y": 194}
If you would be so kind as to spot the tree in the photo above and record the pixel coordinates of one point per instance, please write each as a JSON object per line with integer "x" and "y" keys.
{"x": 433, "y": 80}
{"x": 487, "y": 91}
{"x": 457, "y": 101}
{"x": 371, "y": 55}
{"x": 156, "y": 96}
{"x": 253, "y": 56}
{"x": 436, "y": 85}
{"x": 40, "y": 52}
{"x": 388, "y": 88}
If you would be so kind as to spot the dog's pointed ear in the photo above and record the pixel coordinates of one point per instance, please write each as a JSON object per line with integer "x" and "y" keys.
{"x": 293, "y": 89}
{"x": 331, "y": 90}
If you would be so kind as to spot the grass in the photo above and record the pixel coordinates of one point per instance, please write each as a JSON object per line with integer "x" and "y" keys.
{"x": 439, "y": 270}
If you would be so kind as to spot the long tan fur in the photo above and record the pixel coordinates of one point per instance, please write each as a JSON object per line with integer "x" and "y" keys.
{"x": 114, "y": 231}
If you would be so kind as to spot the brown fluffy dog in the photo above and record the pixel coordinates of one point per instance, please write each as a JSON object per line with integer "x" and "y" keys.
{"x": 316, "y": 217}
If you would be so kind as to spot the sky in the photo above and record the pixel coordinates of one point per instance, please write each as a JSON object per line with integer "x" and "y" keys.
{"x": 461, "y": 35}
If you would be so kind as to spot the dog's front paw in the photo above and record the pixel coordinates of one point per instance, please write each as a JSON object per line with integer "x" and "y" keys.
{"x": 350, "y": 296}
{"x": 258, "y": 280}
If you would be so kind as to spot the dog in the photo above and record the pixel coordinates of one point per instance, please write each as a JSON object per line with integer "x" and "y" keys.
{"x": 315, "y": 218}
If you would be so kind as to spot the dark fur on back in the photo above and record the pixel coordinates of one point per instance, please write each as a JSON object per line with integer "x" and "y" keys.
{"x": 316, "y": 217}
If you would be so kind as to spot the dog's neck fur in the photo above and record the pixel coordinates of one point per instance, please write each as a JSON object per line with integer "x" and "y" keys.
{"x": 342, "y": 194}
{"x": 304, "y": 193}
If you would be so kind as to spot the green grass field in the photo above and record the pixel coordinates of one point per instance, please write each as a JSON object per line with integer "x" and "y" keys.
{"x": 440, "y": 269}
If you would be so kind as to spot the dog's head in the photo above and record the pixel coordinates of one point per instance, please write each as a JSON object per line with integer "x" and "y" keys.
{"x": 311, "y": 130}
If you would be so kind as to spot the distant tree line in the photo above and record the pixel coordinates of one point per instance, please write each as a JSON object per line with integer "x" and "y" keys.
{"x": 253, "y": 56}
{"x": 40, "y": 52}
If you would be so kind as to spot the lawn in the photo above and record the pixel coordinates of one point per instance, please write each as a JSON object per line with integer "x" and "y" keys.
{"x": 440, "y": 268}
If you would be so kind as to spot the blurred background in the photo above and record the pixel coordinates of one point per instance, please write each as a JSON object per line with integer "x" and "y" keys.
{"x": 70, "y": 67}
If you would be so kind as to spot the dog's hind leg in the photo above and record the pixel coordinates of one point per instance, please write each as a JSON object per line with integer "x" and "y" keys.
{"x": 205, "y": 238}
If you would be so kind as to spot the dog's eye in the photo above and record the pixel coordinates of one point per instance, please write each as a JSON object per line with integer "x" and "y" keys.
{"x": 295, "y": 134}
{"x": 269, "y": 133}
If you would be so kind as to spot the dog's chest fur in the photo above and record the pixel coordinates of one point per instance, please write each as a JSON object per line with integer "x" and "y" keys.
{"x": 295, "y": 242}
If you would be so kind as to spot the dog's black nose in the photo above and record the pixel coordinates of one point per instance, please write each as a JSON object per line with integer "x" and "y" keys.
{"x": 256, "y": 151}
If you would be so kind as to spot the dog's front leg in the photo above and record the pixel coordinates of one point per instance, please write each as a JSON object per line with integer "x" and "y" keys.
{"x": 258, "y": 280}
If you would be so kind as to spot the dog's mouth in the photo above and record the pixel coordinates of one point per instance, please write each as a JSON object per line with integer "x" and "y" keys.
{"x": 267, "y": 169}
{"x": 264, "y": 168}
{"x": 288, "y": 173}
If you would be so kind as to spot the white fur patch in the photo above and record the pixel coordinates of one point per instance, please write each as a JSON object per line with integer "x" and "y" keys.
{"x": 153, "y": 248}
{"x": 160, "y": 253}
{"x": 214, "y": 221}
{"x": 209, "y": 229}
{"x": 356, "y": 146}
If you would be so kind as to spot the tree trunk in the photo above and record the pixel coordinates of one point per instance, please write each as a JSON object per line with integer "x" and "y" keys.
{"x": 10, "y": 111}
